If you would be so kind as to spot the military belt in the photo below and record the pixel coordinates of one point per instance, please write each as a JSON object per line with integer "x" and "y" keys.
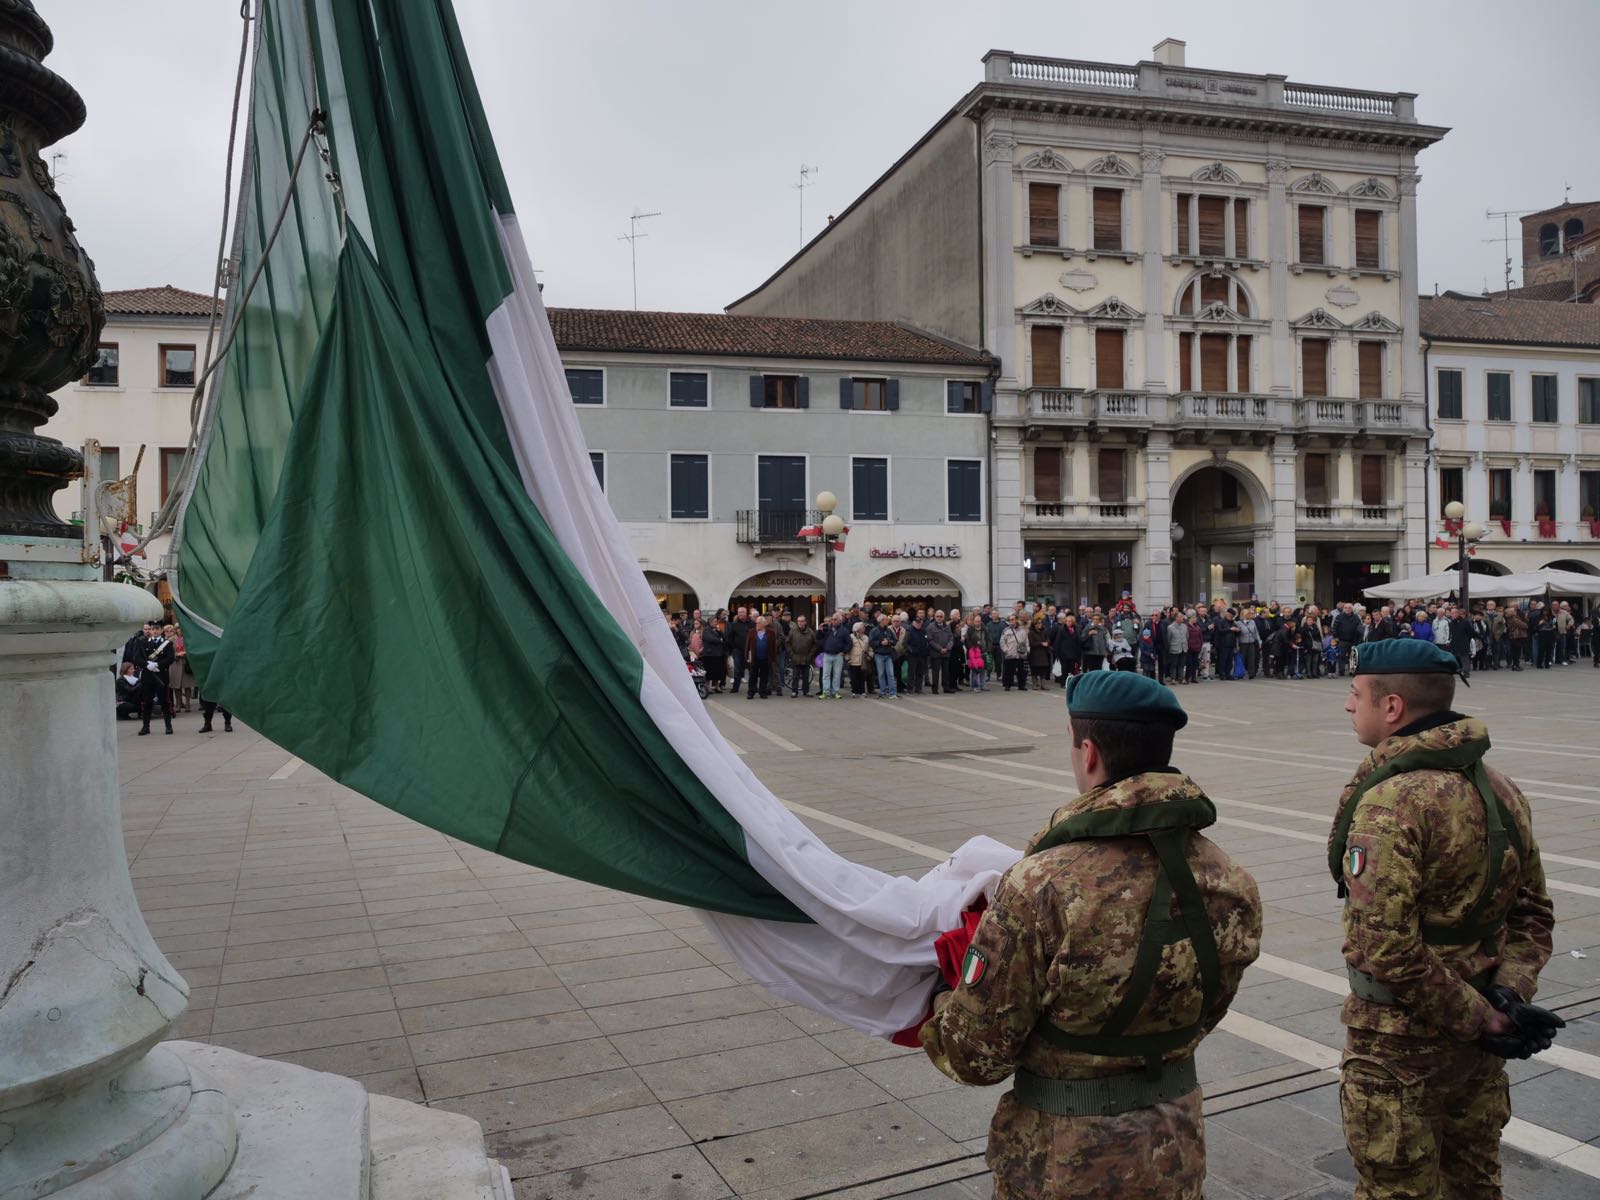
{"x": 1369, "y": 989}
{"x": 1109, "y": 1095}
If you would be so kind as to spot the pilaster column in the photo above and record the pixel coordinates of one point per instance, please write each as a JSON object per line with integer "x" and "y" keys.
{"x": 1476, "y": 495}
{"x": 1078, "y": 471}
{"x": 1522, "y": 494}
{"x": 1344, "y": 486}
{"x": 999, "y": 248}
{"x": 1567, "y": 499}
{"x": 1276, "y": 252}
{"x": 1275, "y": 551}
{"x": 1154, "y": 272}
{"x": 1008, "y": 574}
{"x": 1411, "y": 554}
{"x": 1157, "y": 549}
{"x": 1411, "y": 384}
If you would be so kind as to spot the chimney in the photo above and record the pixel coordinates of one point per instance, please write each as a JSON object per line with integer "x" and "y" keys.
{"x": 1169, "y": 52}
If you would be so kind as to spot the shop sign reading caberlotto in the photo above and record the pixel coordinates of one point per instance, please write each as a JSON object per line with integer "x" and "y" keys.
{"x": 915, "y": 550}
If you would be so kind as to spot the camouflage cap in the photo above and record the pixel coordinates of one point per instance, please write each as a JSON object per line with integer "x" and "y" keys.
{"x": 1403, "y": 656}
{"x": 1124, "y": 696}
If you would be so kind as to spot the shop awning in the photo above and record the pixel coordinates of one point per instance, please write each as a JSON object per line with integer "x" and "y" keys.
{"x": 914, "y": 583}
{"x": 778, "y": 585}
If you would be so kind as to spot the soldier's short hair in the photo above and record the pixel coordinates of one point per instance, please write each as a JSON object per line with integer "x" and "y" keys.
{"x": 1423, "y": 694}
{"x": 1127, "y": 747}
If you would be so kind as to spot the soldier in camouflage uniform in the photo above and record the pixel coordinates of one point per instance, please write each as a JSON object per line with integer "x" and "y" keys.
{"x": 1447, "y": 924}
{"x": 1110, "y": 950}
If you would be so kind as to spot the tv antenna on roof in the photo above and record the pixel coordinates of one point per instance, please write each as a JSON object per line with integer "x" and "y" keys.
{"x": 632, "y": 238}
{"x": 1505, "y": 235}
{"x": 805, "y": 181}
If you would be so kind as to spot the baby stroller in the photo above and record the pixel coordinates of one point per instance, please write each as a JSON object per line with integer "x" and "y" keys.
{"x": 697, "y": 672}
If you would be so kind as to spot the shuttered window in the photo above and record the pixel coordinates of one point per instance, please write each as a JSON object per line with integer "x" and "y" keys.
{"x": 1499, "y": 492}
{"x": 1108, "y": 357}
{"x": 964, "y": 488}
{"x": 1044, "y": 214}
{"x": 1310, "y": 221}
{"x": 1242, "y": 366}
{"x": 1372, "y": 472}
{"x": 869, "y": 489}
{"x": 1450, "y": 395}
{"x": 1185, "y": 362}
{"x": 1108, "y": 218}
{"x": 1499, "y": 384}
{"x": 1241, "y": 228}
{"x": 1213, "y": 225}
{"x": 1369, "y": 362}
{"x": 587, "y": 386}
{"x": 691, "y": 487}
{"x": 1451, "y": 487}
{"x": 1314, "y": 367}
{"x": 687, "y": 389}
{"x": 1316, "y": 471}
{"x": 1047, "y": 475}
{"x": 1045, "y": 341}
{"x": 1368, "y": 245}
{"x": 1113, "y": 489}
{"x": 1214, "y": 362}
{"x": 1185, "y": 246}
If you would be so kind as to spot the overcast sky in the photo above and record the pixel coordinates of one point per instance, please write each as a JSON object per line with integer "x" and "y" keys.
{"x": 705, "y": 111}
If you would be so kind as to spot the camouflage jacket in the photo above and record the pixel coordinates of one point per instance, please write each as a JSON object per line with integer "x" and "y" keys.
{"x": 1422, "y": 839}
{"x": 1059, "y": 942}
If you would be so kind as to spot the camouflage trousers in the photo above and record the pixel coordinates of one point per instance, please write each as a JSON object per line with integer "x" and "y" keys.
{"x": 1422, "y": 1117}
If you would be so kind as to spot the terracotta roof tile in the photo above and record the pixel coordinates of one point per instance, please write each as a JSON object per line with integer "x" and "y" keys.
{"x": 163, "y": 301}
{"x": 721, "y": 334}
{"x": 1457, "y": 318}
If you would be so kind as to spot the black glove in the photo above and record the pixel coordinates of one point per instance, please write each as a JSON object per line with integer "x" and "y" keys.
{"x": 1533, "y": 1028}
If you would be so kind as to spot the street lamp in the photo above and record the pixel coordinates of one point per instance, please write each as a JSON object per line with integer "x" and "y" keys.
{"x": 1466, "y": 532}
{"x": 832, "y": 527}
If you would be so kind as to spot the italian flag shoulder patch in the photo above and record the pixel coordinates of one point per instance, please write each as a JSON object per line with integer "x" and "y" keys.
{"x": 973, "y": 967}
{"x": 1355, "y": 861}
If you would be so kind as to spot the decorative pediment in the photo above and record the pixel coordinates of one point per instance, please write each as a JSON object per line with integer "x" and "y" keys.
{"x": 1217, "y": 311}
{"x": 1110, "y": 164}
{"x": 1374, "y": 187}
{"x": 1216, "y": 173}
{"x": 1315, "y": 184}
{"x": 1047, "y": 159}
{"x": 1375, "y": 322}
{"x": 1048, "y": 305}
{"x": 1318, "y": 318}
{"x": 1113, "y": 309}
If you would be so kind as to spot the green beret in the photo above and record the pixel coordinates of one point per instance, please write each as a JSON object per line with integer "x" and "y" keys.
{"x": 1124, "y": 696}
{"x": 1403, "y": 656}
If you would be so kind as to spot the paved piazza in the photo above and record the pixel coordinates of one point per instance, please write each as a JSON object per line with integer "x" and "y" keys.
{"x": 610, "y": 1049}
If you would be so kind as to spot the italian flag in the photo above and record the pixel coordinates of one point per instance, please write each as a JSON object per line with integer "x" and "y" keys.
{"x": 394, "y": 559}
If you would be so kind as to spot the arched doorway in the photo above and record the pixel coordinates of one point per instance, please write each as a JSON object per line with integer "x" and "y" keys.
{"x": 1486, "y": 566}
{"x": 1222, "y": 511}
{"x": 672, "y": 593}
{"x": 914, "y": 589}
{"x": 772, "y": 591}
{"x": 1577, "y": 566}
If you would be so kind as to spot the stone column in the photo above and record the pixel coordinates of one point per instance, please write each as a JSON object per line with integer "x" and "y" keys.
{"x": 1009, "y": 577}
{"x": 1157, "y": 548}
{"x": 1567, "y": 498}
{"x": 1476, "y": 492}
{"x": 87, "y": 1099}
{"x": 1275, "y": 552}
{"x": 1412, "y": 551}
{"x": 1522, "y": 497}
{"x": 1411, "y": 385}
{"x": 1154, "y": 272}
{"x": 1277, "y": 256}
{"x": 1344, "y": 487}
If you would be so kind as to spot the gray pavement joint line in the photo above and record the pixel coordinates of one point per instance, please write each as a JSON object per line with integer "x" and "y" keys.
{"x": 877, "y": 835}
{"x": 781, "y": 743}
{"x": 907, "y": 712}
{"x": 986, "y": 720}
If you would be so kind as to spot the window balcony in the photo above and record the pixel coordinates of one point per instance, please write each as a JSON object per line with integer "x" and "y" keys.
{"x": 773, "y": 527}
{"x": 1330, "y": 414}
{"x": 1349, "y": 520}
{"x": 1084, "y": 518}
{"x": 1105, "y": 407}
{"x": 1223, "y": 411}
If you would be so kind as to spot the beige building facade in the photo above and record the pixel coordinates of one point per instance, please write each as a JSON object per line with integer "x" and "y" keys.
{"x": 136, "y": 394}
{"x": 1201, "y": 289}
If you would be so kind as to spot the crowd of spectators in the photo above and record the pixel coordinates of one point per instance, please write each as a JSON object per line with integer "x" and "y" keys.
{"x": 883, "y": 654}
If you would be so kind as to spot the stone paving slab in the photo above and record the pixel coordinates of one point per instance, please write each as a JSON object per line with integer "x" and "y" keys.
{"x": 610, "y": 1046}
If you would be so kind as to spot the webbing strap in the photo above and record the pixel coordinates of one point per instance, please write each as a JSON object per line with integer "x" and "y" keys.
{"x": 1368, "y": 988}
{"x": 1107, "y": 1096}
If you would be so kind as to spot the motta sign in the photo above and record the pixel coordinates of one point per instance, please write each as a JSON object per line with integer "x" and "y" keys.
{"x": 914, "y": 550}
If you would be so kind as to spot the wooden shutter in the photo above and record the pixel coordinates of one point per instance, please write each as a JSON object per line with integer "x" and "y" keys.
{"x": 1372, "y": 480}
{"x": 1108, "y": 218}
{"x": 1314, "y": 367}
{"x": 1370, "y": 364}
{"x": 1316, "y": 469}
{"x": 1242, "y": 367}
{"x": 1309, "y": 217}
{"x": 1368, "y": 222}
{"x": 1241, "y": 228}
{"x": 1214, "y": 362}
{"x": 1044, "y": 214}
{"x": 1108, "y": 358}
{"x": 1213, "y": 225}
{"x": 1046, "y": 343}
{"x": 1185, "y": 362}
{"x": 1184, "y": 246}
{"x": 847, "y": 393}
{"x": 802, "y": 392}
{"x": 1047, "y": 475}
{"x": 758, "y": 392}
{"x": 891, "y": 395}
{"x": 1111, "y": 477}
{"x": 986, "y": 397}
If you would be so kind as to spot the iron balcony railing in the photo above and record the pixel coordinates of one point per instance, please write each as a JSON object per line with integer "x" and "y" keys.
{"x": 775, "y": 526}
